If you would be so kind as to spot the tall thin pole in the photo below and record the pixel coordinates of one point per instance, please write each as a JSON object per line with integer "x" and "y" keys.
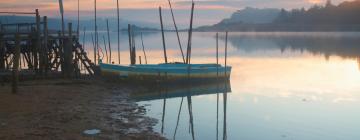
{"x": 143, "y": 47}
{"x": 94, "y": 46}
{"x": 96, "y": 35}
{"x": 188, "y": 54}
{"x": 62, "y": 17}
{"x": 106, "y": 52}
{"x": 130, "y": 43}
{"x": 84, "y": 37}
{"x": 78, "y": 18}
{"x": 118, "y": 28}
{"x": 109, "y": 44}
{"x": 133, "y": 46}
{"x": 226, "y": 45}
{"x": 177, "y": 32}
{"x": 163, "y": 36}
{"x": 217, "y": 54}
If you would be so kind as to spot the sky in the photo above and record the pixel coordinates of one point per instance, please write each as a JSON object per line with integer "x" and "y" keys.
{"x": 206, "y": 11}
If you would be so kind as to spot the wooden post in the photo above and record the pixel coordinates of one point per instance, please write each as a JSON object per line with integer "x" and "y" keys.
{"x": 96, "y": 37}
{"x": 217, "y": 54}
{"x": 130, "y": 43}
{"x": 94, "y": 46}
{"x": 15, "y": 79}
{"x": 106, "y": 52}
{"x": 2, "y": 49}
{"x": 61, "y": 7}
{"x": 84, "y": 37}
{"x": 177, "y": 32}
{"x": 45, "y": 48}
{"x": 139, "y": 59}
{"x": 163, "y": 36}
{"x": 226, "y": 43}
{"x": 78, "y": 19}
{"x": 133, "y": 47}
{"x": 143, "y": 47}
{"x": 108, "y": 33}
{"x": 68, "y": 54}
{"x": 118, "y": 28}
{"x": 38, "y": 42}
{"x": 188, "y": 52}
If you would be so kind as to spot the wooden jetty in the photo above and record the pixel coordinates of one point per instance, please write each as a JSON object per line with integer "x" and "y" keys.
{"x": 35, "y": 50}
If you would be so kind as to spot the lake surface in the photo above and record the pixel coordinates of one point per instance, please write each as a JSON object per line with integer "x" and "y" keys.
{"x": 296, "y": 86}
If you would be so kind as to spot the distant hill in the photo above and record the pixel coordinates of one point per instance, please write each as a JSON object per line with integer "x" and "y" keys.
{"x": 342, "y": 17}
{"x": 252, "y": 15}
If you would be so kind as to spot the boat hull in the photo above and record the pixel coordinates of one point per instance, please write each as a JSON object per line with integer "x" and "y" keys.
{"x": 172, "y": 72}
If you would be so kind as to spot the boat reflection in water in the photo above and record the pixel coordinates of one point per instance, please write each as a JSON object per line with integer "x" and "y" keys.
{"x": 186, "y": 93}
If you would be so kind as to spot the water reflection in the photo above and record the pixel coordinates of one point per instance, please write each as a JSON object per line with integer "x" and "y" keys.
{"x": 345, "y": 45}
{"x": 188, "y": 91}
{"x": 282, "y": 87}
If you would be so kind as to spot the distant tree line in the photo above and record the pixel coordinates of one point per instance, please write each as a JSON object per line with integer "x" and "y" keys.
{"x": 329, "y": 17}
{"x": 342, "y": 14}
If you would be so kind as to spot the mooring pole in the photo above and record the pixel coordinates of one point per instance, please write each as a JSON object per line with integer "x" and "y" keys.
{"x": 15, "y": 80}
{"x": 133, "y": 46}
{"x": 177, "y": 32}
{"x": 78, "y": 19}
{"x": 163, "y": 36}
{"x": 109, "y": 44}
{"x": 130, "y": 44}
{"x": 118, "y": 29}
{"x": 106, "y": 52}
{"x": 94, "y": 46}
{"x": 217, "y": 54}
{"x": 139, "y": 59}
{"x": 188, "y": 54}
{"x": 226, "y": 43}
{"x": 84, "y": 37}
{"x": 143, "y": 47}
{"x": 96, "y": 36}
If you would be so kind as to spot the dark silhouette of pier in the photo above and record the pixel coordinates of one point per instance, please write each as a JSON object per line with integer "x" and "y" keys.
{"x": 33, "y": 50}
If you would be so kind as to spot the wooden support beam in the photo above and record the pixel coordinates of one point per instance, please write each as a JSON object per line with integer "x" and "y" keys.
{"x": 37, "y": 42}
{"x": 2, "y": 51}
{"x": 15, "y": 70}
{"x": 68, "y": 56}
{"x": 45, "y": 47}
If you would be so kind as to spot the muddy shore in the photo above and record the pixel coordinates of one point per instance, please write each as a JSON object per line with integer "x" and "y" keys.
{"x": 64, "y": 109}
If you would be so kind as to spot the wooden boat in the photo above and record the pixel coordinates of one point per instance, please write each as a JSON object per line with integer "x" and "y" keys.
{"x": 168, "y": 72}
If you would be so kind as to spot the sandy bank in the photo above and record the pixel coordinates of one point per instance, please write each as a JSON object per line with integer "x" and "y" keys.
{"x": 63, "y": 109}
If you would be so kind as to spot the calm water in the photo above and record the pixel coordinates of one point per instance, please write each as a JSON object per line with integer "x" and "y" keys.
{"x": 297, "y": 86}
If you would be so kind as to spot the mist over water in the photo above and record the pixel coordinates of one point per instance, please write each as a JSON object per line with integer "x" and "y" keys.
{"x": 284, "y": 85}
